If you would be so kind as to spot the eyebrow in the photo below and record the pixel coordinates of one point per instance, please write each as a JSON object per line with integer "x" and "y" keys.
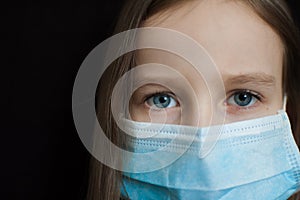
{"x": 261, "y": 79}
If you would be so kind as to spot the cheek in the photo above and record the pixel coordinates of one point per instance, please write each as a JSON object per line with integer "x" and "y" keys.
{"x": 142, "y": 113}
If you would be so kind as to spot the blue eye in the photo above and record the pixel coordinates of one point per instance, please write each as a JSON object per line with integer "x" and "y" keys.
{"x": 161, "y": 101}
{"x": 243, "y": 99}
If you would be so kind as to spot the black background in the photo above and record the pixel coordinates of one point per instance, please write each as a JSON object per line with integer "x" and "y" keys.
{"x": 42, "y": 47}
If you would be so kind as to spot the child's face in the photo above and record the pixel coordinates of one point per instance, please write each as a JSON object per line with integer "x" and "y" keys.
{"x": 248, "y": 53}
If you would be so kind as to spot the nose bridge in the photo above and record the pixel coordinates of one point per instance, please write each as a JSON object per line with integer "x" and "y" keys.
{"x": 204, "y": 109}
{"x": 198, "y": 111}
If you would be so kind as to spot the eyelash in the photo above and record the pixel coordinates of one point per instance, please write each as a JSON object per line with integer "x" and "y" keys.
{"x": 253, "y": 94}
{"x": 166, "y": 93}
{"x": 258, "y": 97}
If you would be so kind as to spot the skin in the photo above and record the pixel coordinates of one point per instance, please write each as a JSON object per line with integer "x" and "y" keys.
{"x": 247, "y": 52}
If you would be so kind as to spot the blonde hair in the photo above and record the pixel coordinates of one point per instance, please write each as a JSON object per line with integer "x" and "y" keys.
{"x": 104, "y": 182}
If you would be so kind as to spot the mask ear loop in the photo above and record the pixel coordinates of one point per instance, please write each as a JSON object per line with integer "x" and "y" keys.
{"x": 284, "y": 102}
{"x": 283, "y": 110}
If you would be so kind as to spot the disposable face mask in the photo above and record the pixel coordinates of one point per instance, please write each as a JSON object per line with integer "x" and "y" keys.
{"x": 253, "y": 159}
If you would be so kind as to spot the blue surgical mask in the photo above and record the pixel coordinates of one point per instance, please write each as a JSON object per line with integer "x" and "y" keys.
{"x": 253, "y": 159}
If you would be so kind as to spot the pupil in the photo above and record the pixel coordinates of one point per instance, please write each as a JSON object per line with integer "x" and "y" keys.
{"x": 243, "y": 99}
{"x": 162, "y": 99}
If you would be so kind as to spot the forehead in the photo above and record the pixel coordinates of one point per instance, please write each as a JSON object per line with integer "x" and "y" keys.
{"x": 236, "y": 38}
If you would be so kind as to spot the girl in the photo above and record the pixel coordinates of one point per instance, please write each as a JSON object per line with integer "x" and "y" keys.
{"x": 255, "y": 45}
